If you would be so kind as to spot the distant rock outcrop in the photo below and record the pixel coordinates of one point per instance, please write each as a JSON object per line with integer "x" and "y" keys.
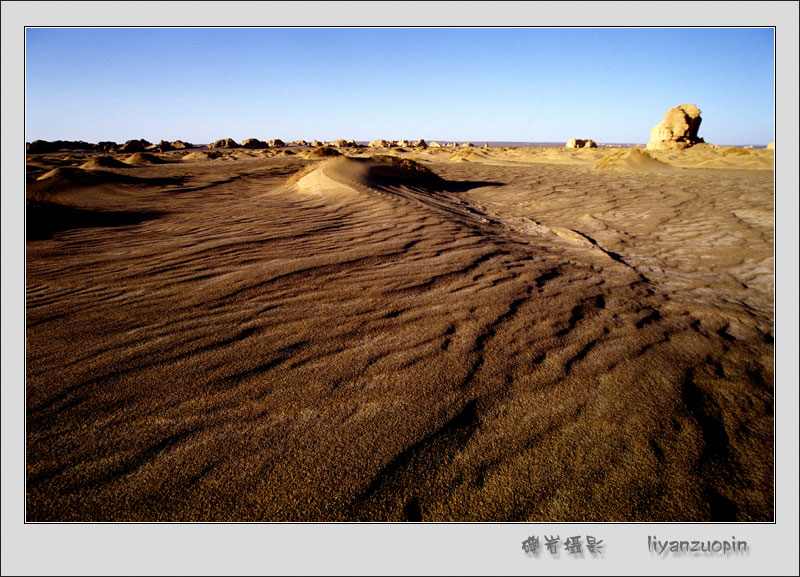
{"x": 677, "y": 130}
{"x": 254, "y": 143}
{"x": 435, "y": 144}
{"x": 323, "y": 151}
{"x": 581, "y": 143}
{"x": 224, "y": 143}
{"x": 107, "y": 146}
{"x": 162, "y": 146}
{"x": 771, "y": 145}
{"x": 421, "y": 143}
{"x": 378, "y": 144}
{"x": 276, "y": 143}
{"x": 135, "y": 145}
{"x": 40, "y": 146}
{"x": 181, "y": 145}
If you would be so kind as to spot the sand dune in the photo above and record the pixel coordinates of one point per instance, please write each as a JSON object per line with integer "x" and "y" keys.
{"x": 519, "y": 337}
{"x": 633, "y": 160}
{"x": 68, "y": 174}
{"x": 100, "y": 162}
{"x": 468, "y": 154}
{"x": 377, "y": 172}
{"x": 201, "y": 155}
{"x": 322, "y": 152}
{"x": 64, "y": 179}
{"x": 144, "y": 158}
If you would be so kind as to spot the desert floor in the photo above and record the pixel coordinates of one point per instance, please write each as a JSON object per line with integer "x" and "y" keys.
{"x": 480, "y": 335}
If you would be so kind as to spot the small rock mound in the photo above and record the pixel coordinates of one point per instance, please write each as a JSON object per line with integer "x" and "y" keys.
{"x": 143, "y": 158}
{"x": 468, "y": 154}
{"x": 581, "y": 143}
{"x": 70, "y": 177}
{"x": 100, "y": 162}
{"x": 322, "y": 152}
{"x": 734, "y": 151}
{"x": 342, "y": 143}
{"x": 376, "y": 172}
{"x": 404, "y": 169}
{"x": 224, "y": 143}
{"x": 201, "y": 155}
{"x": 633, "y": 160}
{"x": 68, "y": 173}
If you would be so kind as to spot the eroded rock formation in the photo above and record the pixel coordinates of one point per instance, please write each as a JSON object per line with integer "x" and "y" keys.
{"x": 677, "y": 130}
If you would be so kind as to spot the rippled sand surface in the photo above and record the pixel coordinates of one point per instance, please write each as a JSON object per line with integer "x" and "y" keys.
{"x": 478, "y": 335}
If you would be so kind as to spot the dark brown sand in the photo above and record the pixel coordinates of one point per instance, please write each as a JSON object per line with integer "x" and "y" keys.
{"x": 501, "y": 335}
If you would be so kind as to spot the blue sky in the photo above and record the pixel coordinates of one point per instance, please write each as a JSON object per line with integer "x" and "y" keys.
{"x": 496, "y": 84}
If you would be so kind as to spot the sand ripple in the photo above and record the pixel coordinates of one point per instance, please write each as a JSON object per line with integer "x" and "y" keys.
{"x": 494, "y": 340}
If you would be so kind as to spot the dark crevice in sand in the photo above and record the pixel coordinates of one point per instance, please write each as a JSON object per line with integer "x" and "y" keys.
{"x": 650, "y": 318}
{"x": 716, "y": 451}
{"x": 613, "y": 255}
{"x": 579, "y": 312}
{"x": 412, "y": 510}
{"x": 451, "y": 330}
{"x": 435, "y": 449}
{"x": 580, "y": 355}
{"x": 723, "y": 510}
{"x": 543, "y": 278}
{"x": 715, "y": 437}
{"x": 657, "y": 451}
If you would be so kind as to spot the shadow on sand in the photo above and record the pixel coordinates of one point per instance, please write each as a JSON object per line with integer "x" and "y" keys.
{"x": 43, "y": 219}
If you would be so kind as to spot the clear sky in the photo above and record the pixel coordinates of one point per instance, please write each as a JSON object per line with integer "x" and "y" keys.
{"x": 495, "y": 84}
